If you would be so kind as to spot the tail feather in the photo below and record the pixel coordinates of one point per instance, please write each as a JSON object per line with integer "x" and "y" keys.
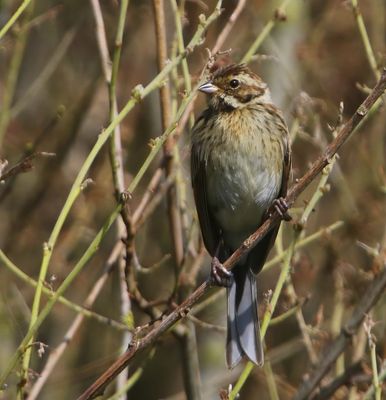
{"x": 233, "y": 350}
{"x": 243, "y": 337}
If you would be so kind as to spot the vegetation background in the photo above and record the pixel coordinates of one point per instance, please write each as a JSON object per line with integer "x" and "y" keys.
{"x": 55, "y": 97}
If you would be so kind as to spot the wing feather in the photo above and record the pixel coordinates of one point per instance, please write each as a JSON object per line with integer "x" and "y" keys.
{"x": 209, "y": 229}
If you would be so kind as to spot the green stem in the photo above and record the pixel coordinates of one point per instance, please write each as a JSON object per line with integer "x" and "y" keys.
{"x": 365, "y": 39}
{"x": 47, "y": 252}
{"x": 132, "y": 380}
{"x": 180, "y": 44}
{"x": 50, "y": 293}
{"x": 51, "y": 302}
{"x": 116, "y": 161}
{"x": 262, "y": 36}
{"x": 376, "y": 384}
{"x": 305, "y": 242}
{"x": 14, "y": 68}
{"x": 371, "y": 392}
{"x": 115, "y": 140}
{"x": 159, "y": 141}
{"x": 271, "y": 383}
{"x": 14, "y": 18}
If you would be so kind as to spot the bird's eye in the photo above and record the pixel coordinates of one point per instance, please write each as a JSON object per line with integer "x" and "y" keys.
{"x": 234, "y": 83}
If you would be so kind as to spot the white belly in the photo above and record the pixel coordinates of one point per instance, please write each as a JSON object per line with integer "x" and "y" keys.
{"x": 239, "y": 193}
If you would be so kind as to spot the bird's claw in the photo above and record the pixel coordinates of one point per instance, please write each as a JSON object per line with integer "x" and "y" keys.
{"x": 281, "y": 207}
{"x": 220, "y": 276}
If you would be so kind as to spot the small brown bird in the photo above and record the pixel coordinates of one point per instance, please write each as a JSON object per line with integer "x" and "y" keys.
{"x": 240, "y": 164}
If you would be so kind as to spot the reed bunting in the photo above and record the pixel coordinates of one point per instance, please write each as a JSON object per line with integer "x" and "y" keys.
{"x": 240, "y": 164}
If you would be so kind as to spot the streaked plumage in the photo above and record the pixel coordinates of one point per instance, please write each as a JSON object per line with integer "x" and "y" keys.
{"x": 240, "y": 162}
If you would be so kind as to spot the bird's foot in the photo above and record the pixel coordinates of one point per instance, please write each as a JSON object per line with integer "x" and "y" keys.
{"x": 219, "y": 275}
{"x": 281, "y": 207}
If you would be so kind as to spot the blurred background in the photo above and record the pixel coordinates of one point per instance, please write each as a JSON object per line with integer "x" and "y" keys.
{"x": 54, "y": 98}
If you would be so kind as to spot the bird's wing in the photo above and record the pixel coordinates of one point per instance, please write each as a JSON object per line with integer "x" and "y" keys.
{"x": 209, "y": 229}
{"x": 287, "y": 166}
{"x": 259, "y": 253}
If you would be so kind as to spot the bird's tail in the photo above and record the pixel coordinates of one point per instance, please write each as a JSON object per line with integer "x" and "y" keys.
{"x": 243, "y": 336}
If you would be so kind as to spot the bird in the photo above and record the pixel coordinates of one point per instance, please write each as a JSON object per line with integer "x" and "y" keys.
{"x": 240, "y": 168}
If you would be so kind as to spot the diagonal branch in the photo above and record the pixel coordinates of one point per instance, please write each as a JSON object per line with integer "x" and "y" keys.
{"x": 25, "y": 165}
{"x": 371, "y": 296}
{"x": 346, "y": 378}
{"x": 346, "y": 130}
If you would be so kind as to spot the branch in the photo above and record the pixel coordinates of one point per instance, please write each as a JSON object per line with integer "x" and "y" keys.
{"x": 371, "y": 296}
{"x": 228, "y": 27}
{"x": 172, "y": 205}
{"x": 100, "y": 384}
{"x": 15, "y": 63}
{"x": 110, "y": 71}
{"x": 14, "y": 18}
{"x": 24, "y": 165}
{"x": 326, "y": 392}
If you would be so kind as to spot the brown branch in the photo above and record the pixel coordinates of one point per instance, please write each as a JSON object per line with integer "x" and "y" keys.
{"x": 228, "y": 27}
{"x": 346, "y": 378}
{"x": 110, "y": 68}
{"x": 100, "y": 384}
{"x": 173, "y": 211}
{"x": 24, "y": 165}
{"x": 148, "y": 194}
{"x": 371, "y": 296}
{"x": 191, "y": 372}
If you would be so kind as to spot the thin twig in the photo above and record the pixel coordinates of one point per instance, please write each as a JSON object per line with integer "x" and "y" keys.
{"x": 365, "y": 39}
{"x": 381, "y": 377}
{"x": 324, "y": 231}
{"x": 368, "y": 326}
{"x": 14, "y": 18}
{"x": 228, "y": 27}
{"x": 173, "y": 211}
{"x": 15, "y": 64}
{"x": 263, "y": 34}
{"x": 24, "y": 165}
{"x": 57, "y": 353}
{"x": 149, "y": 193}
{"x": 110, "y": 69}
{"x": 49, "y": 68}
{"x": 327, "y": 391}
{"x": 337, "y": 317}
{"x": 271, "y": 381}
{"x": 132, "y": 380}
{"x": 63, "y": 300}
{"x": 206, "y": 325}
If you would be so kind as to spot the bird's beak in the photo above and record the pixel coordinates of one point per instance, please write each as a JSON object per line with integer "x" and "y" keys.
{"x": 208, "y": 88}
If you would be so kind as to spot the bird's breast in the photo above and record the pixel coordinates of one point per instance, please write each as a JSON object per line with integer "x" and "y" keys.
{"x": 244, "y": 175}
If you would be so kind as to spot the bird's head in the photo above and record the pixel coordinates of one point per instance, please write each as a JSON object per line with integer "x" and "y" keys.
{"x": 235, "y": 86}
